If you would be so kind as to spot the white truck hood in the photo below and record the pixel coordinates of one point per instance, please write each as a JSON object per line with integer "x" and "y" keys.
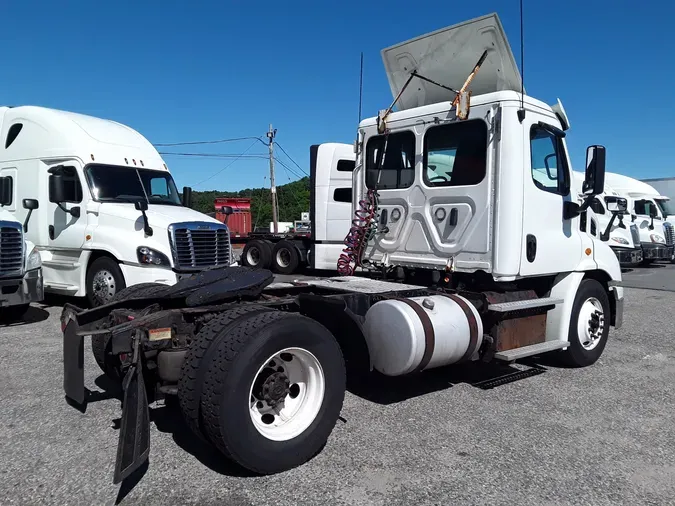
{"x": 448, "y": 56}
{"x": 158, "y": 215}
{"x": 5, "y": 215}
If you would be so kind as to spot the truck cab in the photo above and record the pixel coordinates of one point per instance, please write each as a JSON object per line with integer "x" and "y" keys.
{"x": 20, "y": 262}
{"x": 649, "y": 212}
{"x": 110, "y": 214}
{"x": 608, "y": 212}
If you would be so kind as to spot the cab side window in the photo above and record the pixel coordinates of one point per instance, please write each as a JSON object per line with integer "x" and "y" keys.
{"x": 643, "y": 207}
{"x": 549, "y": 166}
{"x": 72, "y": 185}
{"x": 597, "y": 206}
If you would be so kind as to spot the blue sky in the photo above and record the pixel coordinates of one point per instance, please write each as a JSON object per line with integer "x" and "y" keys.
{"x": 184, "y": 71}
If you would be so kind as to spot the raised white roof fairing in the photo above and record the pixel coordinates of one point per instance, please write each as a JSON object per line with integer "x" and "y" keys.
{"x": 448, "y": 56}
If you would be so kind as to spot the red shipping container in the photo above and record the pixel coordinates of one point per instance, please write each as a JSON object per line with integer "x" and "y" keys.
{"x": 239, "y": 222}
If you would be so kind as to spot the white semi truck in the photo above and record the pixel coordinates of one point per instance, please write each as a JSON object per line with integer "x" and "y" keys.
{"x": 608, "y": 214}
{"x": 650, "y": 213}
{"x": 20, "y": 262}
{"x": 110, "y": 213}
{"x": 487, "y": 263}
{"x": 330, "y": 203}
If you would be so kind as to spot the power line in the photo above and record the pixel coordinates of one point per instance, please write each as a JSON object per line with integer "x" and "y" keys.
{"x": 219, "y": 141}
{"x": 228, "y": 165}
{"x": 215, "y": 155}
{"x": 291, "y": 159}
{"x": 288, "y": 169}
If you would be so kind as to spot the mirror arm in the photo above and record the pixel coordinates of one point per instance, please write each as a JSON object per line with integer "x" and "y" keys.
{"x": 25, "y": 223}
{"x": 651, "y": 224}
{"x": 146, "y": 225}
{"x": 605, "y": 234}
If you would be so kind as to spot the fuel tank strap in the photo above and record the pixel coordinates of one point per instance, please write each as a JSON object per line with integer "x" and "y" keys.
{"x": 473, "y": 324}
{"x": 429, "y": 335}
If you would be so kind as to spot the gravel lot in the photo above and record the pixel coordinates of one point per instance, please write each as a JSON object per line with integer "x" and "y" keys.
{"x": 600, "y": 435}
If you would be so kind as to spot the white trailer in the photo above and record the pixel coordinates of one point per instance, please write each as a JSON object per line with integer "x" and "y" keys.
{"x": 497, "y": 267}
{"x": 110, "y": 213}
{"x": 20, "y": 262}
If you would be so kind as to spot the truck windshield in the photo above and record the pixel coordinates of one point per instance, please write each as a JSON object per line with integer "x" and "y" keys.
{"x": 667, "y": 207}
{"x": 110, "y": 183}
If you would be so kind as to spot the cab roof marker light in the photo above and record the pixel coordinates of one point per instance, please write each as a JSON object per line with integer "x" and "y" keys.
{"x": 126, "y": 161}
{"x": 133, "y": 160}
{"x": 92, "y": 157}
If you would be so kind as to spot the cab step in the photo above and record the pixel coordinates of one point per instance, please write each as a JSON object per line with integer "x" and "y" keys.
{"x": 518, "y": 305}
{"x": 528, "y": 351}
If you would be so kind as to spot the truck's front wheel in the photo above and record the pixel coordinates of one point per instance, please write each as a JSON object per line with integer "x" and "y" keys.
{"x": 104, "y": 280}
{"x": 589, "y": 325}
{"x": 273, "y": 391}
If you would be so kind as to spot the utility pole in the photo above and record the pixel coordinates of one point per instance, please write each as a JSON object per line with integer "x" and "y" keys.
{"x": 270, "y": 135}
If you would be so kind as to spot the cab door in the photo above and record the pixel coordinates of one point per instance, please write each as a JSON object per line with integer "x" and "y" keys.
{"x": 66, "y": 228}
{"x": 551, "y": 241}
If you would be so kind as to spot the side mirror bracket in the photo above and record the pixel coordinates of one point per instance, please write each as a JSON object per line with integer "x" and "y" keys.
{"x": 142, "y": 206}
{"x": 31, "y": 205}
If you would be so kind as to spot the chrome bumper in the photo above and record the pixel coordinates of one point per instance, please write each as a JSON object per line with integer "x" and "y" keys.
{"x": 18, "y": 291}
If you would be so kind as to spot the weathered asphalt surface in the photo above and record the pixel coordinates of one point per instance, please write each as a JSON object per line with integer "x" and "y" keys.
{"x": 604, "y": 435}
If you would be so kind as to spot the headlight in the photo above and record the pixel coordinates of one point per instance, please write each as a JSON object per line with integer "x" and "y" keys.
{"x": 657, "y": 238}
{"x": 620, "y": 240}
{"x": 152, "y": 257}
{"x": 34, "y": 261}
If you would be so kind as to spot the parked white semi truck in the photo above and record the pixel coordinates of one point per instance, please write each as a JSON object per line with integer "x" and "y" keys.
{"x": 20, "y": 262}
{"x": 330, "y": 203}
{"x": 110, "y": 213}
{"x": 492, "y": 265}
{"x": 650, "y": 213}
{"x": 608, "y": 217}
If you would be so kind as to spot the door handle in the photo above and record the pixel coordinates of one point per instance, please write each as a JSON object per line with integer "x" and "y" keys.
{"x": 531, "y": 247}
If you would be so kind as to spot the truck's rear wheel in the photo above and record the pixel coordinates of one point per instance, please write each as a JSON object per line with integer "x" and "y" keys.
{"x": 285, "y": 257}
{"x": 100, "y": 344}
{"x": 589, "y": 325}
{"x": 257, "y": 254}
{"x": 194, "y": 366}
{"x": 104, "y": 280}
{"x": 273, "y": 391}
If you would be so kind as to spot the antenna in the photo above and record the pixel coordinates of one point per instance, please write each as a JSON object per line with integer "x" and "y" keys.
{"x": 361, "y": 87}
{"x": 521, "y": 112}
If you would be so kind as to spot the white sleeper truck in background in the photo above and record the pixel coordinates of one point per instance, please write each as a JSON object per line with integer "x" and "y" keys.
{"x": 110, "y": 215}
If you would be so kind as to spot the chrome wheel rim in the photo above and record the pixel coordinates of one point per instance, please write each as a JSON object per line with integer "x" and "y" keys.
{"x": 591, "y": 323}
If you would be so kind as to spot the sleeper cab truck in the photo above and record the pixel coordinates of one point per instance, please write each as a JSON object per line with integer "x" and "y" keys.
{"x": 330, "y": 197}
{"x": 607, "y": 217}
{"x": 489, "y": 231}
{"x": 110, "y": 214}
{"x": 649, "y": 213}
{"x": 20, "y": 262}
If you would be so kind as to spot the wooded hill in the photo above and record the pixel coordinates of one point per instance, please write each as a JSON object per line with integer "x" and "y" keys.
{"x": 293, "y": 200}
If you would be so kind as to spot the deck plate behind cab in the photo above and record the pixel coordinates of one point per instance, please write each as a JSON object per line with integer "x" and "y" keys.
{"x": 354, "y": 284}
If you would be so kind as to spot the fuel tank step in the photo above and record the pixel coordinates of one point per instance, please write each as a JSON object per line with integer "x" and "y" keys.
{"x": 528, "y": 351}
{"x": 517, "y": 305}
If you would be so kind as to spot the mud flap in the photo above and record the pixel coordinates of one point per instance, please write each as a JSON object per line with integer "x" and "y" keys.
{"x": 73, "y": 362}
{"x": 133, "y": 445}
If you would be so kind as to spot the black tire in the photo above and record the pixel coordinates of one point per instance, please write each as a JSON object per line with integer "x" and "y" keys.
{"x": 100, "y": 344}
{"x": 101, "y": 290}
{"x": 257, "y": 254}
{"x": 191, "y": 381}
{"x": 576, "y": 355}
{"x": 285, "y": 257}
{"x": 231, "y": 372}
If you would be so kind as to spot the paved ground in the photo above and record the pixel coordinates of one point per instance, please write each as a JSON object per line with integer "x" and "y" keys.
{"x": 601, "y": 435}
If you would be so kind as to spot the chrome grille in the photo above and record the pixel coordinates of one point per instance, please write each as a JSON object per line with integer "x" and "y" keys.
{"x": 635, "y": 233}
{"x": 11, "y": 250}
{"x": 198, "y": 246}
{"x": 670, "y": 235}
